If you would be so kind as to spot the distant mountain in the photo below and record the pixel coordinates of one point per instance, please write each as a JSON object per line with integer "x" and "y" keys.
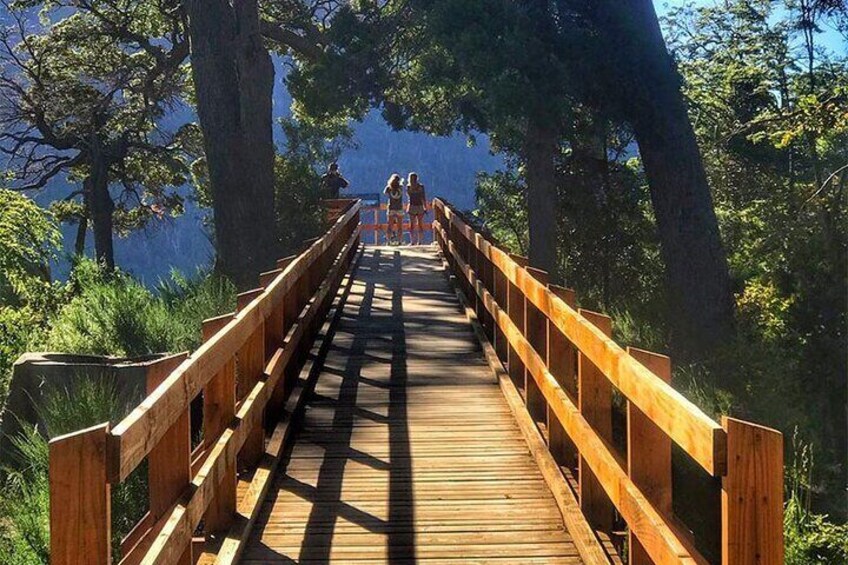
{"x": 447, "y": 167}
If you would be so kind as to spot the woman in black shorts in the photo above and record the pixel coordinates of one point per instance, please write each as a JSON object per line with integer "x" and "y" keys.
{"x": 416, "y": 209}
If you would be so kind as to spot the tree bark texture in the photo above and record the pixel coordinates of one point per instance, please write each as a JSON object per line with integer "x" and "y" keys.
{"x": 540, "y": 150}
{"x": 645, "y": 86}
{"x": 233, "y": 76}
{"x": 102, "y": 208}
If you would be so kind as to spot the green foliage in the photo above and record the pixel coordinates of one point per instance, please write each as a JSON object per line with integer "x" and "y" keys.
{"x": 112, "y": 316}
{"x": 189, "y": 301}
{"x": 501, "y": 201}
{"x": 770, "y": 109}
{"x": 29, "y": 239}
{"x": 24, "y": 495}
{"x": 84, "y": 97}
{"x": 809, "y": 537}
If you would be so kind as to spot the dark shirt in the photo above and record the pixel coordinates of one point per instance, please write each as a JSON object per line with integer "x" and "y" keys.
{"x": 331, "y": 183}
{"x": 416, "y": 195}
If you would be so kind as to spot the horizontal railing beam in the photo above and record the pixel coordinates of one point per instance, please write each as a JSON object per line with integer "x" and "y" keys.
{"x": 133, "y": 438}
{"x": 186, "y": 515}
{"x": 695, "y": 432}
{"x": 658, "y": 536}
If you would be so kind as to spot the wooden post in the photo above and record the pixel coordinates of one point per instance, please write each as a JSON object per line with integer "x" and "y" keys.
{"x": 648, "y": 453}
{"x": 80, "y": 499}
{"x": 219, "y": 409}
{"x": 752, "y": 495}
{"x": 501, "y": 297}
{"x": 595, "y": 401}
{"x": 169, "y": 462}
{"x": 536, "y": 324}
{"x": 515, "y": 309}
{"x": 250, "y": 365}
{"x": 562, "y": 362}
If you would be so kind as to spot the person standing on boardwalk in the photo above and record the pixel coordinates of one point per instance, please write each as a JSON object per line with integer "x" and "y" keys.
{"x": 332, "y": 182}
{"x": 394, "y": 190}
{"x": 416, "y": 208}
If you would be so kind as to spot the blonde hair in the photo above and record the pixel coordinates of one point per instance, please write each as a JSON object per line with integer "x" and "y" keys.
{"x": 394, "y": 180}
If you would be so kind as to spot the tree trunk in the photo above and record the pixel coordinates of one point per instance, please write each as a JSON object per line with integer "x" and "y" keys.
{"x": 234, "y": 77}
{"x": 647, "y": 87}
{"x": 79, "y": 241}
{"x": 540, "y": 152}
{"x": 96, "y": 187}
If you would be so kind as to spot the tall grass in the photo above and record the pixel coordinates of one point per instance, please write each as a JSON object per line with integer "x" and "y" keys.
{"x": 24, "y": 495}
{"x": 809, "y": 537}
{"x": 117, "y": 315}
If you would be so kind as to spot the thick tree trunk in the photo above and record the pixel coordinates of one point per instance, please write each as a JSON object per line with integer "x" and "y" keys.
{"x": 540, "y": 151}
{"x": 233, "y": 77}
{"x": 96, "y": 187}
{"x": 646, "y": 86}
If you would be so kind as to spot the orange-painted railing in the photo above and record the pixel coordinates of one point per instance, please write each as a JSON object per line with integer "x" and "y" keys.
{"x": 246, "y": 369}
{"x": 566, "y": 366}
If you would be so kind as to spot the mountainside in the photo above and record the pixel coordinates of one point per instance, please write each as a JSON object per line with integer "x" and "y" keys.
{"x": 447, "y": 167}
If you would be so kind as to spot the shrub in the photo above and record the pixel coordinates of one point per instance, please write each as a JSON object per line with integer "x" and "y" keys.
{"x": 192, "y": 300}
{"x": 117, "y": 316}
{"x": 24, "y": 496}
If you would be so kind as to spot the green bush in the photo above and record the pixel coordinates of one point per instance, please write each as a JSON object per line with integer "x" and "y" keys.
{"x": 192, "y": 300}
{"x": 116, "y": 316}
{"x": 24, "y": 494}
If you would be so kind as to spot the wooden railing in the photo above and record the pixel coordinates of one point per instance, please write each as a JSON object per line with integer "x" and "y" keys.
{"x": 375, "y": 225}
{"x": 246, "y": 370}
{"x": 566, "y": 366}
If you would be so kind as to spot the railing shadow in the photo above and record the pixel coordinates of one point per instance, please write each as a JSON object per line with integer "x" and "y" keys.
{"x": 371, "y": 328}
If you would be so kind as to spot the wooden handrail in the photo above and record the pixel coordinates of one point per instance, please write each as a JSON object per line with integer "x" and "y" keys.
{"x": 85, "y": 465}
{"x": 508, "y": 296}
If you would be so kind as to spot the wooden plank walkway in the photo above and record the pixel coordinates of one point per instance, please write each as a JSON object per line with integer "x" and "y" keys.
{"x": 408, "y": 450}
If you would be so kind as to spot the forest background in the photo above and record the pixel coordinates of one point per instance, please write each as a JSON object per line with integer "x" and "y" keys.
{"x": 100, "y": 94}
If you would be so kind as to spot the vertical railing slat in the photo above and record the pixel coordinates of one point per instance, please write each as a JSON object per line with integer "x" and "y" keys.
{"x": 595, "y": 401}
{"x": 562, "y": 362}
{"x": 80, "y": 499}
{"x": 752, "y": 495}
{"x": 169, "y": 463}
{"x": 219, "y": 409}
{"x": 536, "y": 330}
{"x": 648, "y": 453}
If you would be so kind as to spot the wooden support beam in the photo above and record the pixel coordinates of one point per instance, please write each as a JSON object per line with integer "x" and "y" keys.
{"x": 752, "y": 495}
{"x": 515, "y": 310}
{"x": 246, "y": 297}
{"x": 250, "y": 363}
{"x": 536, "y": 324}
{"x": 169, "y": 463}
{"x": 285, "y": 261}
{"x": 80, "y": 499}
{"x": 219, "y": 409}
{"x": 648, "y": 454}
{"x": 562, "y": 362}
{"x": 268, "y": 277}
{"x": 594, "y": 393}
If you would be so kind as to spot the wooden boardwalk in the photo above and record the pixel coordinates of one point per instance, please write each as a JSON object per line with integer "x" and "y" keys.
{"x": 408, "y": 451}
